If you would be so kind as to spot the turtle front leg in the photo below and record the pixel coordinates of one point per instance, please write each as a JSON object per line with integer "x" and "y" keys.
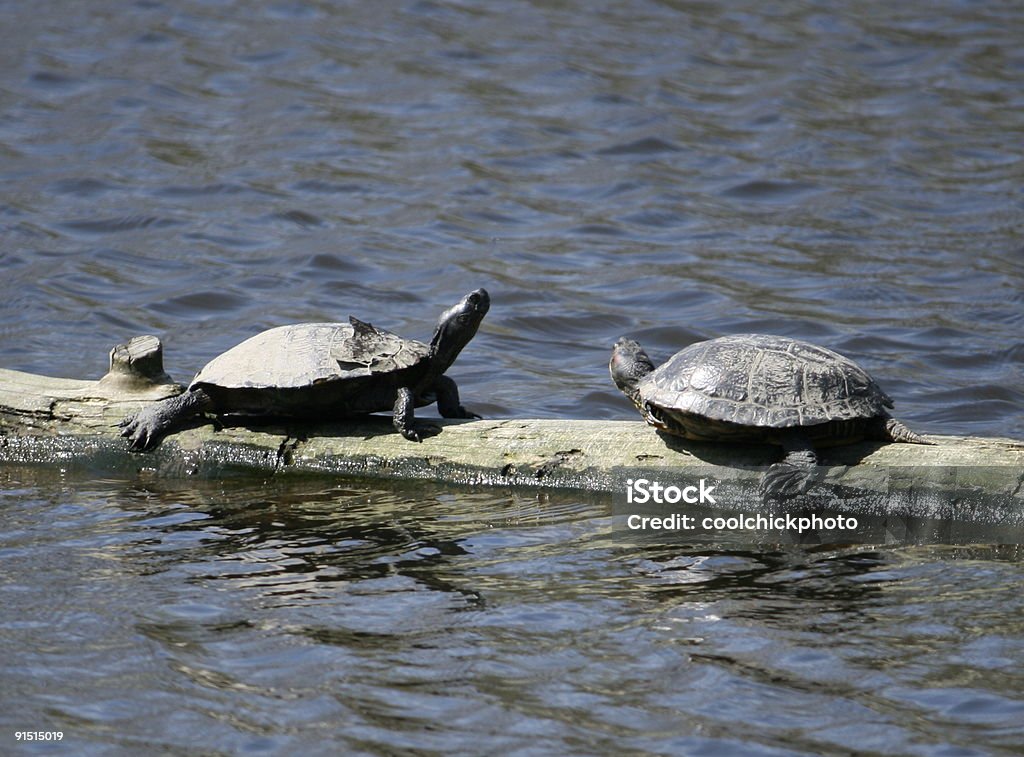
{"x": 792, "y": 476}
{"x": 405, "y": 414}
{"x": 447, "y": 392}
{"x": 146, "y": 428}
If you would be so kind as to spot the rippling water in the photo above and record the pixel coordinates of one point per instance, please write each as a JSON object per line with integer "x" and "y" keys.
{"x": 669, "y": 170}
{"x": 331, "y": 618}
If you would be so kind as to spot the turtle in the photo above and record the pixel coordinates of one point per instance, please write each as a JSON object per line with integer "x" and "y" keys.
{"x": 324, "y": 371}
{"x": 760, "y": 388}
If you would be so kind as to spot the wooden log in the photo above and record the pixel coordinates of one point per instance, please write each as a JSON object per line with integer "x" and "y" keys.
{"x": 73, "y": 423}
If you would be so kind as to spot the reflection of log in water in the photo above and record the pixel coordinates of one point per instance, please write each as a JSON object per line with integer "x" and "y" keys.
{"x": 71, "y": 422}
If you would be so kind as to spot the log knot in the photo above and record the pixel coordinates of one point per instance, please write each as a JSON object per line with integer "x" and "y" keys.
{"x": 137, "y": 365}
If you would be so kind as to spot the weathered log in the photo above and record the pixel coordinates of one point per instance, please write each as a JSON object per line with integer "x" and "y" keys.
{"x": 73, "y": 423}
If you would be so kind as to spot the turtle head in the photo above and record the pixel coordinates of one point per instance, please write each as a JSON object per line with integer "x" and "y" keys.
{"x": 457, "y": 325}
{"x": 628, "y": 365}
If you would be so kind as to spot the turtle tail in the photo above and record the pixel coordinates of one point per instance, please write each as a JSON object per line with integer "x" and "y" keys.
{"x": 893, "y": 430}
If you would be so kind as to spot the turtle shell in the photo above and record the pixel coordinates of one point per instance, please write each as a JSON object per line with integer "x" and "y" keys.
{"x": 757, "y": 380}
{"x": 309, "y": 354}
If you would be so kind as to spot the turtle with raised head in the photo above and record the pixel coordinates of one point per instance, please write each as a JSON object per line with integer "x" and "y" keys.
{"x": 324, "y": 371}
{"x": 760, "y": 388}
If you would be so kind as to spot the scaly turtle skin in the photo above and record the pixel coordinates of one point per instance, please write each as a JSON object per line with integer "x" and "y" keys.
{"x": 324, "y": 371}
{"x": 760, "y": 388}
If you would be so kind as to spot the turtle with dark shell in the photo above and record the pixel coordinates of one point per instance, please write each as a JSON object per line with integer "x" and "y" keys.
{"x": 760, "y": 388}
{"x": 324, "y": 371}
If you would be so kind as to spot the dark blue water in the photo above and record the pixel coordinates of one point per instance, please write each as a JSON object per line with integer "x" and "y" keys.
{"x": 330, "y": 618}
{"x": 672, "y": 171}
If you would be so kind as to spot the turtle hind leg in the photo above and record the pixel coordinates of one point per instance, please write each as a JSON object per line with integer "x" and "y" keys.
{"x": 791, "y": 476}
{"x": 891, "y": 430}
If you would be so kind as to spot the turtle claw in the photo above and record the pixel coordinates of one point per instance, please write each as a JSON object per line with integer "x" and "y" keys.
{"x": 140, "y": 443}
{"x": 458, "y": 411}
{"x": 128, "y": 424}
{"x": 420, "y": 431}
{"x": 411, "y": 434}
{"x": 139, "y": 439}
{"x": 142, "y": 430}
